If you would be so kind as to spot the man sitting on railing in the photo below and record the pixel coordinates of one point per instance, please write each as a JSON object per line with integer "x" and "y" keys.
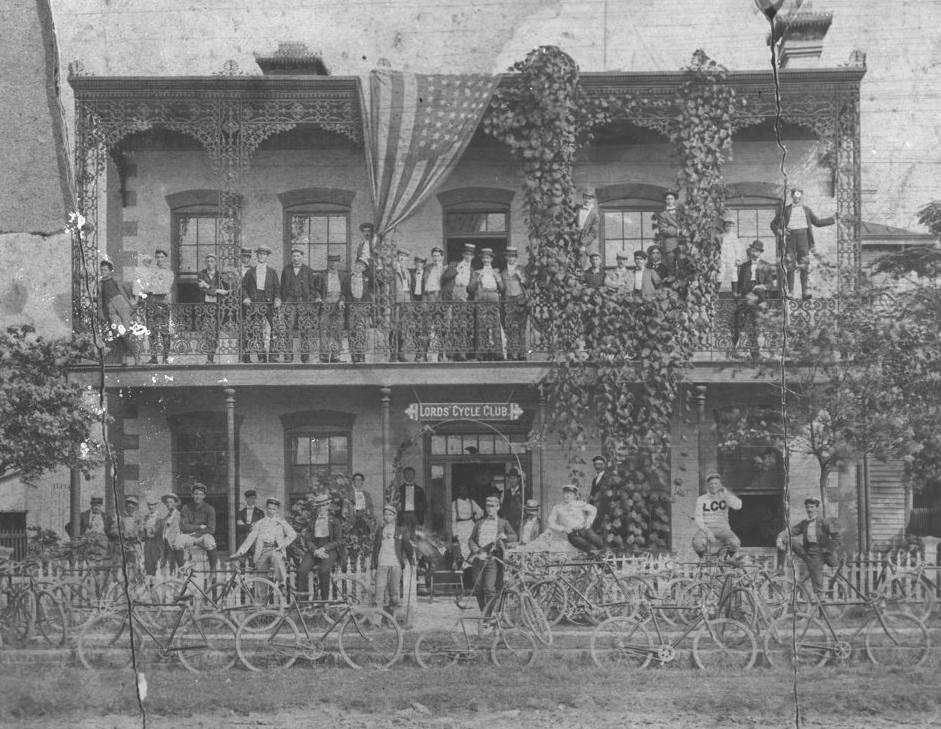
{"x": 712, "y": 518}
{"x": 198, "y": 525}
{"x": 270, "y": 536}
{"x": 815, "y": 540}
{"x": 574, "y": 517}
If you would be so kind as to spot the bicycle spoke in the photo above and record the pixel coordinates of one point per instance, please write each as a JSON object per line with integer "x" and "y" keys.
{"x": 621, "y": 643}
{"x": 370, "y": 639}
{"x": 896, "y": 639}
{"x": 722, "y": 645}
{"x": 206, "y": 644}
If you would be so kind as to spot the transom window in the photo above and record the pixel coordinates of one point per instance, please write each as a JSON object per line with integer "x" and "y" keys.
{"x": 319, "y": 234}
{"x": 477, "y": 444}
{"x": 625, "y": 231}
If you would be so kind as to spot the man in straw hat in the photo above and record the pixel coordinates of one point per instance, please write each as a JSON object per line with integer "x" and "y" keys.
{"x": 322, "y": 540}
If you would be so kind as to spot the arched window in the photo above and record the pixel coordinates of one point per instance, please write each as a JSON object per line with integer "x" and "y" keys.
{"x": 627, "y": 219}
{"x": 317, "y": 219}
{"x": 317, "y": 451}
{"x": 478, "y": 215}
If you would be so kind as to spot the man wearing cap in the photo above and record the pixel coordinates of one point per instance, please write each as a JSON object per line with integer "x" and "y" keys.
{"x": 622, "y": 277}
{"x": 421, "y": 318}
{"x": 245, "y": 262}
{"x": 129, "y": 526}
{"x": 358, "y": 310}
{"x": 514, "y": 306}
{"x": 261, "y": 295}
{"x": 815, "y": 540}
{"x": 331, "y": 292}
{"x": 586, "y": 217}
{"x": 270, "y": 536}
{"x": 158, "y": 288}
{"x": 213, "y": 286}
{"x": 486, "y": 287}
{"x": 594, "y": 274}
{"x": 645, "y": 282}
{"x": 411, "y": 501}
{"x": 323, "y": 540}
{"x": 489, "y": 539}
{"x": 730, "y": 255}
{"x": 298, "y": 296}
{"x": 246, "y": 517}
{"x": 756, "y": 284}
{"x": 666, "y": 227}
{"x": 391, "y": 547}
{"x": 198, "y": 525}
{"x": 794, "y": 226}
{"x": 171, "y": 530}
{"x": 573, "y": 518}
{"x": 152, "y": 532}
{"x": 454, "y": 285}
{"x": 532, "y": 524}
{"x": 712, "y": 518}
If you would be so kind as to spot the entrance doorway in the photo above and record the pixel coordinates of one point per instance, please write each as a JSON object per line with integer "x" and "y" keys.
{"x": 479, "y": 477}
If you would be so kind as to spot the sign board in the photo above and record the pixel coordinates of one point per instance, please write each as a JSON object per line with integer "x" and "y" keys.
{"x": 464, "y": 411}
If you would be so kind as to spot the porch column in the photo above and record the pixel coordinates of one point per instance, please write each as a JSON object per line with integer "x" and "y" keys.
{"x": 541, "y": 424}
{"x": 75, "y": 501}
{"x": 230, "y": 465}
{"x": 385, "y": 401}
{"x": 699, "y": 398}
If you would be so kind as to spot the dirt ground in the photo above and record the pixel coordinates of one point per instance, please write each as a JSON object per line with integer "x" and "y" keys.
{"x": 560, "y": 694}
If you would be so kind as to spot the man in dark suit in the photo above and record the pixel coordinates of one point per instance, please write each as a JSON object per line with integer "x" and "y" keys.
{"x": 594, "y": 274}
{"x": 298, "y": 292}
{"x": 412, "y": 502}
{"x": 817, "y": 541}
{"x": 323, "y": 544}
{"x": 358, "y": 310}
{"x": 666, "y": 225}
{"x": 511, "y": 508}
{"x": 454, "y": 283}
{"x": 261, "y": 295}
{"x": 331, "y": 288}
{"x": 794, "y": 227}
{"x": 247, "y": 516}
{"x": 756, "y": 284}
{"x": 94, "y": 520}
{"x": 213, "y": 286}
{"x": 602, "y": 482}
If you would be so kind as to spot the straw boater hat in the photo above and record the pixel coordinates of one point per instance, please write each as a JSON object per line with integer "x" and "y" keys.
{"x": 321, "y": 499}
{"x": 531, "y": 505}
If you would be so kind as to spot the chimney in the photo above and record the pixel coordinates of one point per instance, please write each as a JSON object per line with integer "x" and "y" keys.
{"x": 292, "y": 59}
{"x": 801, "y": 33}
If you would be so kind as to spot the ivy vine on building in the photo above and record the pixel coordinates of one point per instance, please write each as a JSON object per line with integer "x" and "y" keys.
{"x": 619, "y": 362}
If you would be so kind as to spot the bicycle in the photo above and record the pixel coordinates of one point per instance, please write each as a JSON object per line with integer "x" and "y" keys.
{"x": 719, "y": 644}
{"x": 28, "y": 607}
{"x": 202, "y": 642}
{"x": 892, "y": 638}
{"x": 516, "y": 603}
{"x": 366, "y": 637}
{"x": 585, "y": 593}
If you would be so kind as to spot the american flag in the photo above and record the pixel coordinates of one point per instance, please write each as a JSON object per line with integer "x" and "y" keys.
{"x": 769, "y": 7}
{"x": 417, "y": 127}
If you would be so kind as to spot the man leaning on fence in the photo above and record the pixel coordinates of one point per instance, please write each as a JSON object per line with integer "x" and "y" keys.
{"x": 270, "y": 537}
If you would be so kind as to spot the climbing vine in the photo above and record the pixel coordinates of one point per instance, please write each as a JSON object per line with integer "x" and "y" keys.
{"x": 619, "y": 363}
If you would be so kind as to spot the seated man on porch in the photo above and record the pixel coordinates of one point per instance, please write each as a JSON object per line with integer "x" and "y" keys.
{"x": 712, "y": 518}
{"x": 323, "y": 542}
{"x": 198, "y": 525}
{"x": 573, "y": 518}
{"x": 270, "y": 536}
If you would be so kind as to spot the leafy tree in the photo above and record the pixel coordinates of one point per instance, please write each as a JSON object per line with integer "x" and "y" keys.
{"x": 45, "y": 422}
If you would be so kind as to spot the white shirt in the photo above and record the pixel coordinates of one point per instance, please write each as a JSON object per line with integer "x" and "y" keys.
{"x": 161, "y": 281}
{"x": 798, "y": 218}
{"x": 713, "y": 511}
{"x": 433, "y": 279}
{"x": 487, "y": 533}
{"x": 488, "y": 279}
{"x": 409, "y": 504}
{"x": 463, "y": 274}
{"x": 387, "y": 557}
{"x": 575, "y": 515}
{"x": 261, "y": 272}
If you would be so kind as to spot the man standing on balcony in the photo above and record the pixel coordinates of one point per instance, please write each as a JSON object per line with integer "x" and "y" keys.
{"x": 358, "y": 311}
{"x": 212, "y": 285}
{"x": 486, "y": 287}
{"x": 331, "y": 291}
{"x": 594, "y": 274}
{"x": 158, "y": 287}
{"x": 116, "y": 302}
{"x": 454, "y": 284}
{"x": 245, "y": 262}
{"x": 433, "y": 320}
{"x": 261, "y": 296}
{"x": 666, "y": 225}
{"x": 402, "y": 298}
{"x": 368, "y": 248}
{"x": 621, "y": 278}
{"x": 586, "y": 218}
{"x": 298, "y": 292}
{"x": 794, "y": 227}
{"x": 731, "y": 255}
{"x": 645, "y": 282}
{"x": 756, "y": 284}
{"x": 514, "y": 306}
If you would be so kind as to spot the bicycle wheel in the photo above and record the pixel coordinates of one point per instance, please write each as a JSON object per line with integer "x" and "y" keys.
{"x": 267, "y": 640}
{"x": 106, "y": 642}
{"x": 552, "y": 598}
{"x": 535, "y": 620}
{"x": 669, "y": 601}
{"x": 800, "y": 640}
{"x": 722, "y": 645}
{"x": 896, "y": 639}
{"x": 440, "y": 648}
{"x": 621, "y": 642}
{"x": 782, "y": 595}
{"x": 370, "y": 638}
{"x": 17, "y": 618}
{"x": 513, "y": 648}
{"x": 51, "y": 619}
{"x": 912, "y": 594}
{"x": 739, "y": 604}
{"x": 206, "y": 643}
{"x": 251, "y": 595}
{"x": 691, "y": 600}
{"x": 619, "y": 596}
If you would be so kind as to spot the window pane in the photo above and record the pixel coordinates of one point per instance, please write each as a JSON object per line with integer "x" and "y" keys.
{"x": 188, "y": 231}
{"x": 455, "y": 446}
{"x": 340, "y": 250}
{"x": 457, "y": 223}
{"x": 318, "y": 229}
{"x": 319, "y": 450}
{"x": 500, "y": 445}
{"x": 486, "y": 444}
{"x": 206, "y": 231}
{"x": 612, "y": 225}
{"x": 339, "y": 450}
{"x": 470, "y": 444}
{"x": 188, "y": 258}
{"x": 439, "y": 445}
{"x": 299, "y": 234}
{"x": 301, "y": 451}
{"x": 338, "y": 229}
{"x": 496, "y": 222}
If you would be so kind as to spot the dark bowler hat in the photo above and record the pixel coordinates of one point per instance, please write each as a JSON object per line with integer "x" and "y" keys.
{"x": 274, "y": 501}
{"x": 334, "y": 257}
{"x": 420, "y": 259}
{"x": 757, "y": 245}
{"x": 367, "y": 226}
{"x": 245, "y": 252}
{"x": 198, "y": 487}
{"x": 251, "y": 492}
{"x": 640, "y": 254}
{"x": 97, "y": 500}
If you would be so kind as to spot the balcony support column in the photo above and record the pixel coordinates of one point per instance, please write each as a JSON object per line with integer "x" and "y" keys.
{"x": 385, "y": 401}
{"x": 230, "y": 465}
